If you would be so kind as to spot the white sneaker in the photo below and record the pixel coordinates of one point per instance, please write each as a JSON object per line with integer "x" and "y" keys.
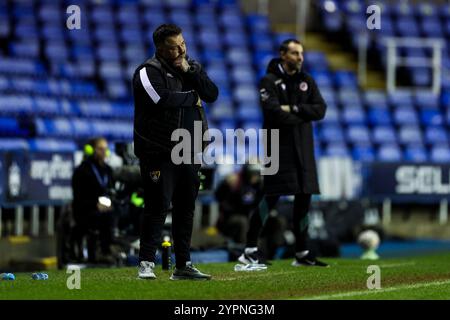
{"x": 250, "y": 256}
{"x": 146, "y": 270}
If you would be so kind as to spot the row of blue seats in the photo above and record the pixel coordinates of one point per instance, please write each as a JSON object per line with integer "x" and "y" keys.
{"x": 388, "y": 153}
{"x": 37, "y": 145}
{"x": 84, "y": 128}
{"x": 401, "y": 8}
{"x": 406, "y": 134}
{"x": 375, "y": 116}
{"x": 51, "y": 106}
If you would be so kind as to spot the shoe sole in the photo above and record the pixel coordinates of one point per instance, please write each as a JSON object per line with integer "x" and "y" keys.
{"x": 147, "y": 278}
{"x": 172, "y": 277}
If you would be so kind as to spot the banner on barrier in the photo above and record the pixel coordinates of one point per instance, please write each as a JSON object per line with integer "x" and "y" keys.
{"x": 421, "y": 181}
{"x": 37, "y": 177}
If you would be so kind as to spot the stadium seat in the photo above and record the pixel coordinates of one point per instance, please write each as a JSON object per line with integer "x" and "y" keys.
{"x": 415, "y": 153}
{"x": 384, "y": 135}
{"x": 378, "y": 117}
{"x": 389, "y": 153}
{"x": 440, "y": 154}
{"x": 13, "y": 144}
{"x": 363, "y": 153}
{"x": 434, "y": 134}
{"x": 353, "y": 115}
{"x": 358, "y": 134}
{"x": 410, "y": 135}
{"x": 405, "y": 116}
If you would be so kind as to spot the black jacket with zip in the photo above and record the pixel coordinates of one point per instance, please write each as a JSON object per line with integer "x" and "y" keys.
{"x": 162, "y": 95}
{"x": 297, "y": 171}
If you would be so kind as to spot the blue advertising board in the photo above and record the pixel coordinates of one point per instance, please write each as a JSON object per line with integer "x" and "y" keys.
{"x": 35, "y": 177}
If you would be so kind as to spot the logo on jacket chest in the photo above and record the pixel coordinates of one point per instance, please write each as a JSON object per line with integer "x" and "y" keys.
{"x": 154, "y": 175}
{"x": 303, "y": 86}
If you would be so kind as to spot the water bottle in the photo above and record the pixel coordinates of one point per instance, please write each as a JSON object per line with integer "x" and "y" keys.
{"x": 7, "y": 276}
{"x": 166, "y": 255}
{"x": 39, "y": 276}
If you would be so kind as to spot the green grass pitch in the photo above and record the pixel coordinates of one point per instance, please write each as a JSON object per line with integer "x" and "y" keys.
{"x": 419, "y": 277}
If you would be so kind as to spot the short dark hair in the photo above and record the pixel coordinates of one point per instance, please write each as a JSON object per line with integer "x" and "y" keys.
{"x": 284, "y": 45}
{"x": 163, "y": 32}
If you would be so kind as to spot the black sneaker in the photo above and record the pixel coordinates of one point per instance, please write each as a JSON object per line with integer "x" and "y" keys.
{"x": 305, "y": 258}
{"x": 189, "y": 272}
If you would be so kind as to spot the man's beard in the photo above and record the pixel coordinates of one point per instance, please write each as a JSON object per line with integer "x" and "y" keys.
{"x": 294, "y": 66}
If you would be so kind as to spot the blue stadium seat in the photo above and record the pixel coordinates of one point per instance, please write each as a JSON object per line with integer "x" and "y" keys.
{"x": 4, "y": 83}
{"x": 400, "y": 98}
{"x": 246, "y": 112}
{"x": 322, "y": 78}
{"x": 332, "y": 133}
{"x": 440, "y": 154}
{"x": 16, "y": 105}
{"x": 436, "y": 134}
{"x": 243, "y": 76}
{"x": 345, "y": 79}
{"x": 13, "y": 144}
{"x": 410, "y": 135}
{"x": 215, "y": 57}
{"x": 431, "y": 27}
{"x": 431, "y": 117}
{"x": 415, "y": 153}
{"x": 110, "y": 70}
{"x": 421, "y": 76}
{"x": 22, "y": 66}
{"x": 123, "y": 110}
{"x": 222, "y": 111}
{"x": 384, "y": 135}
{"x": 353, "y": 115}
{"x": 426, "y": 100}
{"x": 10, "y": 127}
{"x": 363, "y": 153}
{"x": 258, "y": 23}
{"x": 358, "y": 134}
{"x": 235, "y": 38}
{"x": 96, "y": 109}
{"x": 333, "y": 21}
{"x": 337, "y": 150}
{"x": 389, "y": 153}
{"x": 47, "y": 106}
{"x": 82, "y": 128}
{"x": 332, "y": 116}
{"x": 407, "y": 27}
{"x": 238, "y": 57}
{"x": 27, "y": 49}
{"x": 108, "y": 52}
{"x": 375, "y": 99}
{"x": 379, "y": 116}
{"x": 405, "y": 116}
{"x": 246, "y": 94}
{"x": 349, "y": 98}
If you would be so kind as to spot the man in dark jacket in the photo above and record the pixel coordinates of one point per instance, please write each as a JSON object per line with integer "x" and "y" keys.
{"x": 168, "y": 90}
{"x": 92, "y": 210}
{"x": 290, "y": 101}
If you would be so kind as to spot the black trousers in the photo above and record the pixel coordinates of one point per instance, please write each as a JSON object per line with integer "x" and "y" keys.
{"x": 165, "y": 184}
{"x": 259, "y": 216}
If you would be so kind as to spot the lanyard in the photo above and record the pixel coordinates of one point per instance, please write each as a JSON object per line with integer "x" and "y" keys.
{"x": 103, "y": 182}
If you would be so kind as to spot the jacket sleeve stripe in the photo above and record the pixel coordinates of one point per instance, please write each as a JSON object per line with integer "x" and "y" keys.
{"x": 148, "y": 86}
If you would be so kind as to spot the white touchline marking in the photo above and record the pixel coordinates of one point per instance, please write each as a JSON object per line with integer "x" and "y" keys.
{"x": 367, "y": 292}
{"x": 394, "y": 265}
